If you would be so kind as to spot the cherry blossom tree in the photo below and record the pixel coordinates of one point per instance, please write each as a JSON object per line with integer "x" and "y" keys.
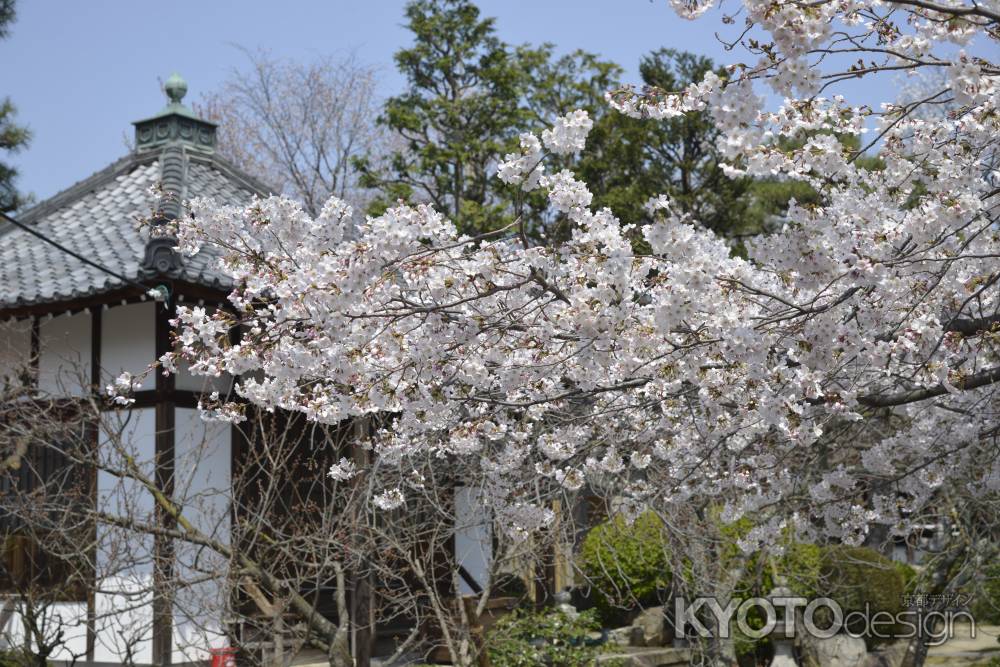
{"x": 834, "y": 378}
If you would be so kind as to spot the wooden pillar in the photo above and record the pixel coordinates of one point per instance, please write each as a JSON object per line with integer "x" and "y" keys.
{"x": 361, "y": 615}
{"x": 95, "y": 381}
{"x": 36, "y": 349}
{"x": 164, "y": 478}
{"x": 361, "y": 588}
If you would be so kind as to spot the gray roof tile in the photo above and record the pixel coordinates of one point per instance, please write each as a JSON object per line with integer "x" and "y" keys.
{"x": 96, "y": 218}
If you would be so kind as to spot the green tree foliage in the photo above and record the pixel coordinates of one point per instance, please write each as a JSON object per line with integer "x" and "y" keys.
{"x": 630, "y": 160}
{"x": 986, "y": 596}
{"x": 797, "y": 568}
{"x": 458, "y": 113}
{"x": 13, "y": 137}
{"x": 627, "y": 565}
{"x": 861, "y": 580}
{"x": 468, "y": 97}
{"x": 556, "y": 86}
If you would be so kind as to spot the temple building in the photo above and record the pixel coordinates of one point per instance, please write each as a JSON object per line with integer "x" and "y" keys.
{"x": 119, "y": 532}
{"x": 86, "y": 294}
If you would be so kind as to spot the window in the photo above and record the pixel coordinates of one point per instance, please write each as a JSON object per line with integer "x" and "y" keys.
{"x": 46, "y": 494}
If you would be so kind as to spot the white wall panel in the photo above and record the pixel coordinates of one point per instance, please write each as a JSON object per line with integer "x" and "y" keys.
{"x": 473, "y": 541}
{"x": 128, "y": 341}
{"x": 15, "y": 347}
{"x": 69, "y": 618}
{"x": 124, "y": 557}
{"x": 124, "y": 620}
{"x": 202, "y": 485}
{"x": 132, "y": 434}
{"x": 202, "y": 459}
{"x": 64, "y": 354}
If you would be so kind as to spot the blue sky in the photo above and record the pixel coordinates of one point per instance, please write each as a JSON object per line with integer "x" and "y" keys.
{"x": 80, "y": 72}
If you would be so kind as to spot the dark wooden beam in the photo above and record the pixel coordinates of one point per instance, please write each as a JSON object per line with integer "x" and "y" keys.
{"x": 361, "y": 583}
{"x": 36, "y": 348}
{"x": 114, "y": 297}
{"x": 96, "y": 324}
{"x": 150, "y": 398}
{"x": 95, "y": 349}
{"x": 163, "y": 579}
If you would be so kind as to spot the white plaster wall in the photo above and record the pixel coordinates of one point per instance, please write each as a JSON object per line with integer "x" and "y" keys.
{"x": 123, "y": 603}
{"x": 123, "y": 625}
{"x": 128, "y": 433}
{"x": 70, "y": 618}
{"x": 202, "y": 485}
{"x": 201, "y": 383}
{"x": 128, "y": 341}
{"x": 15, "y": 347}
{"x": 64, "y": 354}
{"x": 473, "y": 543}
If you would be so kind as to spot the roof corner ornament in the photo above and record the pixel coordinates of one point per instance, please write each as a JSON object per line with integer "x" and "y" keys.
{"x": 161, "y": 256}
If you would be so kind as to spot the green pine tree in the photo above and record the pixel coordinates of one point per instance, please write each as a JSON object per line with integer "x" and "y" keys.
{"x": 13, "y": 137}
{"x": 459, "y": 112}
{"x": 469, "y": 95}
{"x": 630, "y": 160}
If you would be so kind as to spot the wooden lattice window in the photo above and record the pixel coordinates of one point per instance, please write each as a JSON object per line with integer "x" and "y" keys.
{"x": 46, "y": 498}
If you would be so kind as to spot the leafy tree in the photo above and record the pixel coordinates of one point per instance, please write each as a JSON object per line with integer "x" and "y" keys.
{"x": 459, "y": 112}
{"x": 556, "y": 86}
{"x": 13, "y": 137}
{"x": 468, "y": 97}
{"x": 861, "y": 580}
{"x": 630, "y": 160}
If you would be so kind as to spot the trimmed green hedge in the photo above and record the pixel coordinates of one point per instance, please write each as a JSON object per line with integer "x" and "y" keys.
{"x": 799, "y": 566}
{"x": 526, "y": 638}
{"x": 628, "y": 567}
{"x": 853, "y": 576}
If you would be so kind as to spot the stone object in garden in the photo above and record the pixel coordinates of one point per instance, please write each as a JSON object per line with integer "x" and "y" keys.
{"x": 784, "y": 630}
{"x": 652, "y": 627}
{"x": 646, "y": 657}
{"x": 889, "y": 655}
{"x": 836, "y": 651}
{"x": 564, "y": 603}
{"x": 627, "y": 636}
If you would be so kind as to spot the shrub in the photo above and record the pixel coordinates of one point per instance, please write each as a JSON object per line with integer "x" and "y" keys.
{"x": 985, "y": 605}
{"x": 861, "y": 579}
{"x": 13, "y": 657}
{"x": 799, "y": 565}
{"x": 911, "y": 578}
{"x": 626, "y": 564}
{"x": 510, "y": 586}
{"x": 526, "y": 638}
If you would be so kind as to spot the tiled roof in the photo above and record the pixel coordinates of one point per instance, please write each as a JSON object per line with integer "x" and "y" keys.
{"x": 96, "y": 218}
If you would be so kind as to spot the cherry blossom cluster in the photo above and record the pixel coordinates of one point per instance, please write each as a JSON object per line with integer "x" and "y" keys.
{"x": 836, "y": 376}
